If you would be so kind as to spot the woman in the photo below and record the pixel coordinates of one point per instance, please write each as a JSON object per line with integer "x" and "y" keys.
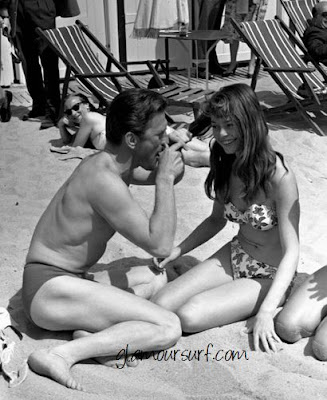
{"x": 240, "y": 10}
{"x": 251, "y": 185}
{"x": 81, "y": 125}
{"x": 305, "y": 313}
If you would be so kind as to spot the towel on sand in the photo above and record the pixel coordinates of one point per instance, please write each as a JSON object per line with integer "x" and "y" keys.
{"x": 153, "y": 15}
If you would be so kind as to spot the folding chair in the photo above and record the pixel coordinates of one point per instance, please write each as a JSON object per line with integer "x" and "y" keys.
{"x": 71, "y": 44}
{"x": 274, "y": 45}
{"x": 299, "y": 11}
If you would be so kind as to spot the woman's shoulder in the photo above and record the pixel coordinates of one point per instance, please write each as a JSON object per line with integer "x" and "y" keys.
{"x": 283, "y": 172}
{"x": 93, "y": 116}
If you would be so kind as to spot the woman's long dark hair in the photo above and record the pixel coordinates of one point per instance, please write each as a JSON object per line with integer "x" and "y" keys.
{"x": 256, "y": 162}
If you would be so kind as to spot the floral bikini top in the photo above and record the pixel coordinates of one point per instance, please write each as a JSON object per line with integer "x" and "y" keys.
{"x": 261, "y": 217}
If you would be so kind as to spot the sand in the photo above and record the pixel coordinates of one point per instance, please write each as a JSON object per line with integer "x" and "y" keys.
{"x": 30, "y": 175}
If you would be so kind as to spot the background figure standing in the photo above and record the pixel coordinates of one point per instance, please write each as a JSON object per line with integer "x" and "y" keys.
{"x": 315, "y": 36}
{"x": 42, "y": 84}
{"x": 210, "y": 15}
{"x": 241, "y": 10}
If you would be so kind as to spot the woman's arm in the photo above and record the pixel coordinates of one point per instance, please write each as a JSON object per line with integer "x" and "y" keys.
{"x": 66, "y": 136}
{"x": 204, "y": 232}
{"x": 288, "y": 213}
{"x": 84, "y": 131}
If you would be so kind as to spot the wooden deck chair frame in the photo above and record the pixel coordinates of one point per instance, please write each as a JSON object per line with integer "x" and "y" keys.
{"x": 93, "y": 75}
{"x": 284, "y": 64}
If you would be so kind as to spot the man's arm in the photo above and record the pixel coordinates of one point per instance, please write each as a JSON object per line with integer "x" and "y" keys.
{"x": 111, "y": 198}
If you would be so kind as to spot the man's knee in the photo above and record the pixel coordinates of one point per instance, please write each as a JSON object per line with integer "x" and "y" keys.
{"x": 170, "y": 330}
{"x": 289, "y": 328}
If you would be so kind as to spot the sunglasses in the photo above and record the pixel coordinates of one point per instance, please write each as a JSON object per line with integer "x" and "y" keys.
{"x": 76, "y": 107}
{"x": 324, "y": 14}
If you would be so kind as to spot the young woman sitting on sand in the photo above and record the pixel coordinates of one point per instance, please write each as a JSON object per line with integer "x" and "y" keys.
{"x": 81, "y": 123}
{"x": 251, "y": 185}
{"x": 305, "y": 314}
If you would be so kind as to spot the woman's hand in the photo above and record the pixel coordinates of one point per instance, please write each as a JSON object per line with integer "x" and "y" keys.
{"x": 263, "y": 330}
{"x": 160, "y": 263}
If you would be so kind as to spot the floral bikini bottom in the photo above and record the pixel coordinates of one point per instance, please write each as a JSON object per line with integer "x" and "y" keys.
{"x": 245, "y": 266}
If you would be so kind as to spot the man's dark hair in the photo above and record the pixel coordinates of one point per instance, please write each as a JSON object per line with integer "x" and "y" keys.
{"x": 130, "y": 111}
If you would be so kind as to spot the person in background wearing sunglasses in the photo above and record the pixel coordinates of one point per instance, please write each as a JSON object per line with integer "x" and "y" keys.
{"x": 315, "y": 36}
{"x": 81, "y": 125}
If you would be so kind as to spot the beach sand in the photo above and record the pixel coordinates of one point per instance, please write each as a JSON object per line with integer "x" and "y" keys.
{"x": 30, "y": 176}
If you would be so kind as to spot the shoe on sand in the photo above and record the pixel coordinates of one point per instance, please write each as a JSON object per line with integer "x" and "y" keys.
{"x": 12, "y": 362}
{"x": 5, "y": 110}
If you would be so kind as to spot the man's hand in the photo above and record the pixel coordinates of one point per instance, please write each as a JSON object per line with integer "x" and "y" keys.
{"x": 160, "y": 263}
{"x": 171, "y": 161}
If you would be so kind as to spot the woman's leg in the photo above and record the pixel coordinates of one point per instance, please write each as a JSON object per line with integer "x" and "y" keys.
{"x": 231, "y": 302}
{"x": 116, "y": 317}
{"x": 305, "y": 308}
{"x": 319, "y": 344}
{"x": 207, "y": 275}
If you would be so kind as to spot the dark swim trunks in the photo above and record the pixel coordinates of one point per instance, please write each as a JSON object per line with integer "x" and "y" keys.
{"x": 35, "y": 275}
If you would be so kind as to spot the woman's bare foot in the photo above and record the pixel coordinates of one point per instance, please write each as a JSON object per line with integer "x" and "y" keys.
{"x": 109, "y": 361}
{"x": 54, "y": 366}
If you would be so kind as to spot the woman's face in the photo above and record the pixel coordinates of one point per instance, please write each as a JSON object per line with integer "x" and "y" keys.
{"x": 226, "y": 134}
{"x": 74, "y": 109}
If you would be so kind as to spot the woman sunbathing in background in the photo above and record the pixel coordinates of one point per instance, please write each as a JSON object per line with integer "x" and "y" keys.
{"x": 251, "y": 185}
{"x": 83, "y": 126}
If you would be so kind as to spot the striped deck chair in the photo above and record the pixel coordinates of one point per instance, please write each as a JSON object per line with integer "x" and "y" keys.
{"x": 71, "y": 44}
{"x": 274, "y": 45}
{"x": 299, "y": 11}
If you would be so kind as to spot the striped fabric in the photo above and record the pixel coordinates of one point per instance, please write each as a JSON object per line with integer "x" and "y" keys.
{"x": 299, "y": 11}
{"x": 72, "y": 45}
{"x": 74, "y": 50}
{"x": 272, "y": 44}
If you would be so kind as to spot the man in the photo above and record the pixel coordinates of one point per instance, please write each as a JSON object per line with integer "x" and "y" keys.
{"x": 315, "y": 36}
{"x": 72, "y": 234}
{"x": 42, "y": 84}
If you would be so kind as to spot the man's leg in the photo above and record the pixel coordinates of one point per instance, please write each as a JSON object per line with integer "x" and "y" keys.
{"x": 50, "y": 66}
{"x": 210, "y": 16}
{"x": 25, "y": 42}
{"x": 116, "y": 318}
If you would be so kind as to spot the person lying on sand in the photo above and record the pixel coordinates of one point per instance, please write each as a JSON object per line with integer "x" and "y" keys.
{"x": 73, "y": 232}
{"x": 81, "y": 123}
{"x": 83, "y": 126}
{"x": 305, "y": 314}
{"x": 251, "y": 185}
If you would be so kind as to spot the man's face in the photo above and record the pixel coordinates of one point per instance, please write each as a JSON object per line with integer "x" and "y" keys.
{"x": 322, "y": 14}
{"x": 152, "y": 142}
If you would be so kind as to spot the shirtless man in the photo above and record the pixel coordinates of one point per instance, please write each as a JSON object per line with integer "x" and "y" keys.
{"x": 72, "y": 234}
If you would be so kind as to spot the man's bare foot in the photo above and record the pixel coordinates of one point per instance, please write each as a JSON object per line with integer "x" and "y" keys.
{"x": 54, "y": 366}
{"x": 109, "y": 361}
